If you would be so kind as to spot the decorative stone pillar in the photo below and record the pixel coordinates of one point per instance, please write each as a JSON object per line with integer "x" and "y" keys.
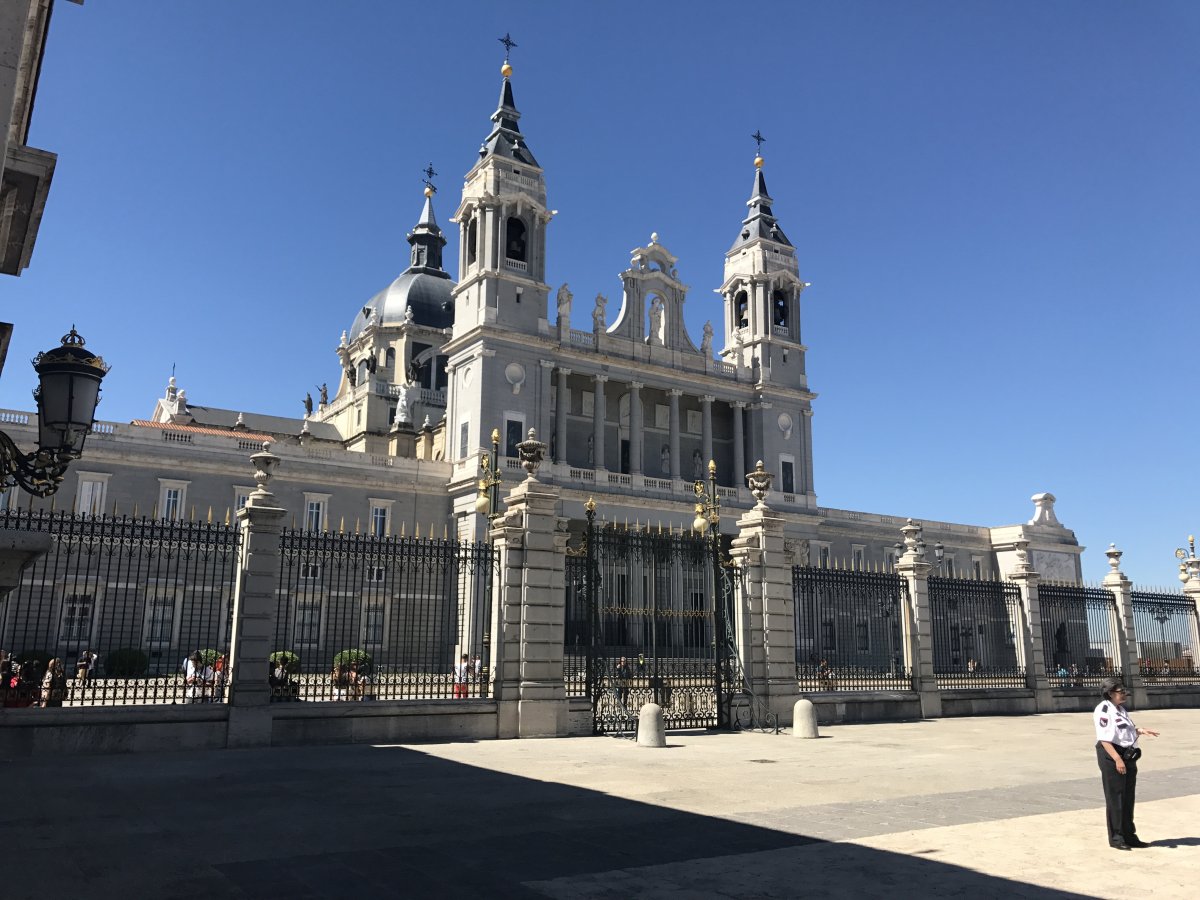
{"x": 738, "y": 407}
{"x": 706, "y": 436}
{"x": 255, "y": 602}
{"x": 563, "y": 404}
{"x": 1123, "y": 637}
{"x": 673, "y": 396}
{"x": 768, "y": 609}
{"x": 530, "y": 606}
{"x": 1189, "y": 569}
{"x": 636, "y": 431}
{"x": 916, "y": 621}
{"x": 599, "y": 410}
{"x": 1029, "y": 629}
{"x": 806, "y": 423}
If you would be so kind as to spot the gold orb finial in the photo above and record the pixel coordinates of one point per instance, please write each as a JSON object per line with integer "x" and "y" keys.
{"x": 506, "y": 69}
{"x": 428, "y": 191}
{"x": 758, "y": 161}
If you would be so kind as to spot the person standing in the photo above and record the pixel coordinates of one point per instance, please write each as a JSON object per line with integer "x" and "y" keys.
{"x": 1117, "y": 754}
{"x": 462, "y": 675}
{"x": 198, "y": 678}
{"x": 54, "y": 684}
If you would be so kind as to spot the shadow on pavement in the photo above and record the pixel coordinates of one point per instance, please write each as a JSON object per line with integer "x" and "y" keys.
{"x": 365, "y": 822}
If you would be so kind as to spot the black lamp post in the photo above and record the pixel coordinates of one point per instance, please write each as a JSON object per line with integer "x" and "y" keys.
{"x": 708, "y": 521}
{"x": 69, "y": 379}
{"x": 487, "y": 503}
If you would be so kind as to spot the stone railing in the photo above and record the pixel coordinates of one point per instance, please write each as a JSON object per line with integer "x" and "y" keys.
{"x": 583, "y": 339}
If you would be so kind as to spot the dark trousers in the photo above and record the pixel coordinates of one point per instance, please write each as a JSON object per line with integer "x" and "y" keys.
{"x": 1118, "y": 795}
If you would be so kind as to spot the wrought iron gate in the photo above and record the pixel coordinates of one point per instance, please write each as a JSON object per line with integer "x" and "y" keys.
{"x": 644, "y": 624}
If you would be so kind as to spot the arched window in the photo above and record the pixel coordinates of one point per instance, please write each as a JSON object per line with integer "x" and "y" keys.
{"x": 779, "y": 308}
{"x": 390, "y": 359}
{"x": 514, "y": 247}
{"x": 472, "y": 240}
{"x": 362, "y": 372}
{"x": 741, "y": 305}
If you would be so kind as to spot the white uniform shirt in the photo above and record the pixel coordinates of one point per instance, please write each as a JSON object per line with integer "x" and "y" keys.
{"x": 1114, "y": 725}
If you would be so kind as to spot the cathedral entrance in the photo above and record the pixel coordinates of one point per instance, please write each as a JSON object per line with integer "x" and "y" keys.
{"x": 648, "y": 621}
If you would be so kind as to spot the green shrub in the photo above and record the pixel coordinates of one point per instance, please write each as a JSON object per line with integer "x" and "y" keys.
{"x": 127, "y": 662}
{"x": 208, "y": 657}
{"x": 362, "y": 657}
{"x": 291, "y": 662}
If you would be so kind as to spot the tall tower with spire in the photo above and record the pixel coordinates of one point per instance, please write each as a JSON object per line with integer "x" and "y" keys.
{"x": 502, "y": 221}
{"x": 761, "y": 303}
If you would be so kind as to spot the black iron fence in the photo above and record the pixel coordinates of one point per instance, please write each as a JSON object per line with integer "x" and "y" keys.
{"x": 382, "y": 618}
{"x": 119, "y": 611}
{"x": 578, "y": 627}
{"x": 977, "y": 628}
{"x": 1165, "y": 628}
{"x": 849, "y": 630}
{"x": 1080, "y": 630}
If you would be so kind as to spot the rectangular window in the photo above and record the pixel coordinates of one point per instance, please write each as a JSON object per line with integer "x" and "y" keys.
{"x": 787, "y": 474}
{"x": 587, "y": 402}
{"x": 889, "y": 556}
{"x": 977, "y": 567}
{"x": 308, "y": 622}
{"x": 828, "y": 636}
{"x": 824, "y": 557}
{"x": 90, "y": 495}
{"x": 373, "y": 624}
{"x": 160, "y": 626}
{"x": 241, "y": 496}
{"x": 380, "y": 515}
{"x": 376, "y": 573}
{"x": 310, "y": 570}
{"x": 858, "y": 557}
{"x": 316, "y": 512}
{"x": 464, "y": 438}
{"x": 513, "y": 435}
{"x": 77, "y": 619}
{"x": 172, "y": 497}
{"x": 695, "y": 422}
{"x": 948, "y": 566}
{"x": 863, "y": 633}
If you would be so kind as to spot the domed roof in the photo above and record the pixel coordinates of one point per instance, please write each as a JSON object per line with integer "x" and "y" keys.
{"x": 425, "y": 291}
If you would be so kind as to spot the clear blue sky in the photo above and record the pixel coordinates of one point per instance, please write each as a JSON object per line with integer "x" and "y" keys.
{"x": 996, "y": 204}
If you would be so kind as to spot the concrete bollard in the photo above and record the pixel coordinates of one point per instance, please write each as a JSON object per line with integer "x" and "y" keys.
{"x": 652, "y": 726}
{"x": 804, "y": 719}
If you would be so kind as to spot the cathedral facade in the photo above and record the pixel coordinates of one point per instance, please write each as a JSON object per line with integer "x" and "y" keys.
{"x": 632, "y": 408}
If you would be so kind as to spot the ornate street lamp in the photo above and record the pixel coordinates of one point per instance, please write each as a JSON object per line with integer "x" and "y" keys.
{"x": 1189, "y": 565}
{"x": 487, "y": 503}
{"x": 67, "y": 393}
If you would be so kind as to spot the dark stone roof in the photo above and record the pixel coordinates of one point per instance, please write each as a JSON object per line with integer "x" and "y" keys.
{"x": 506, "y": 139}
{"x": 760, "y": 224}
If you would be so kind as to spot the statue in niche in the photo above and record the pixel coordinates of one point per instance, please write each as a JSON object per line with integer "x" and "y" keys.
{"x": 308, "y": 407}
{"x": 564, "y": 303}
{"x": 372, "y": 363}
{"x": 351, "y": 376}
{"x": 324, "y": 390}
{"x": 804, "y": 551}
{"x": 402, "y": 413}
{"x": 706, "y": 341}
{"x": 697, "y": 466}
{"x": 598, "y": 314}
{"x": 656, "y": 322}
{"x": 665, "y": 456}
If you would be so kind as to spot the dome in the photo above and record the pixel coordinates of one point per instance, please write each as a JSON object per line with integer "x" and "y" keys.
{"x": 425, "y": 291}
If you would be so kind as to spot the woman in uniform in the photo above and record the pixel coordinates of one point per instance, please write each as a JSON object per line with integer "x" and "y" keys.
{"x": 1117, "y": 754}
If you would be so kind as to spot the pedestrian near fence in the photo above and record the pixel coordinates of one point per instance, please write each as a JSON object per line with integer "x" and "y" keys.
{"x": 462, "y": 675}
{"x": 1117, "y": 754}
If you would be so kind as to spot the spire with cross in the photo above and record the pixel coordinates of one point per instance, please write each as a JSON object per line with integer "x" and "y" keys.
{"x": 428, "y": 179}
{"x": 508, "y": 43}
{"x": 758, "y": 140}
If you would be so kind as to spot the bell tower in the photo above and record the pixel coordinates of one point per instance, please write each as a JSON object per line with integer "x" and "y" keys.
{"x": 502, "y": 223}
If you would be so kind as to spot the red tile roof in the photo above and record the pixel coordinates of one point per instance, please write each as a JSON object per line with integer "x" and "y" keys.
{"x": 199, "y": 429}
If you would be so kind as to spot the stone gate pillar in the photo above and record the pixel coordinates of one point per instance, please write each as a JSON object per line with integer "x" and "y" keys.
{"x": 530, "y": 606}
{"x": 1190, "y": 568}
{"x": 255, "y": 602}
{"x": 1029, "y": 630}
{"x": 916, "y": 621}
{"x": 770, "y": 609}
{"x": 1123, "y": 638}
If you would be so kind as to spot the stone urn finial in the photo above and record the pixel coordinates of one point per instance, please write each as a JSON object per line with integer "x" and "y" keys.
{"x": 760, "y": 483}
{"x": 1114, "y": 557}
{"x": 913, "y": 540}
{"x": 265, "y": 462}
{"x": 531, "y": 452}
{"x": 1022, "y": 550}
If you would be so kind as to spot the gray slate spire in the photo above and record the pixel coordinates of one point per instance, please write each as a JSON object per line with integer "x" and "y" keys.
{"x": 506, "y": 139}
{"x": 427, "y": 241}
{"x": 761, "y": 221}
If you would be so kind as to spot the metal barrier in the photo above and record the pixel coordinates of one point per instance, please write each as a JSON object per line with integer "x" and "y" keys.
{"x": 976, "y": 627}
{"x": 120, "y": 611}
{"x": 1079, "y": 634}
{"x": 1165, "y": 628}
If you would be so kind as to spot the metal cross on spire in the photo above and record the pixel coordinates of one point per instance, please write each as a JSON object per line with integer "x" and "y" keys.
{"x": 508, "y": 43}
{"x": 758, "y": 139}
{"x": 429, "y": 176}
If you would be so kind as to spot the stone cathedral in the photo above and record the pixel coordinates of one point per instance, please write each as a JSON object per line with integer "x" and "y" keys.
{"x": 632, "y": 409}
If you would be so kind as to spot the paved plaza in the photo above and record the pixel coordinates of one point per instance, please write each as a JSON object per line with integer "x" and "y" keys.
{"x": 981, "y": 807}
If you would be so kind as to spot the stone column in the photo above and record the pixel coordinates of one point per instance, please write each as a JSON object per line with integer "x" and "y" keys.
{"x": 560, "y": 416}
{"x": 598, "y": 415}
{"x": 636, "y": 435}
{"x": 530, "y": 613}
{"x": 1126, "y": 643}
{"x": 546, "y": 421}
{"x": 916, "y": 622}
{"x": 806, "y": 421}
{"x": 739, "y": 436}
{"x": 1029, "y": 630}
{"x": 706, "y": 437}
{"x": 769, "y": 607}
{"x": 255, "y": 603}
{"x": 1191, "y": 589}
{"x": 674, "y": 395}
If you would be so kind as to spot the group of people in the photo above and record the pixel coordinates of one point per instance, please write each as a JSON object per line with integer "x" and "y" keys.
{"x": 350, "y": 681}
{"x": 203, "y": 682}
{"x": 23, "y": 683}
{"x": 466, "y": 670}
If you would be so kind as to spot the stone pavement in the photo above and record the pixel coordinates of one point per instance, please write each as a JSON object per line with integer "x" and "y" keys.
{"x": 999, "y": 807}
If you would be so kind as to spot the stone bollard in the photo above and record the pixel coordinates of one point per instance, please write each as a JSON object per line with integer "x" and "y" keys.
{"x": 652, "y": 726}
{"x": 804, "y": 719}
